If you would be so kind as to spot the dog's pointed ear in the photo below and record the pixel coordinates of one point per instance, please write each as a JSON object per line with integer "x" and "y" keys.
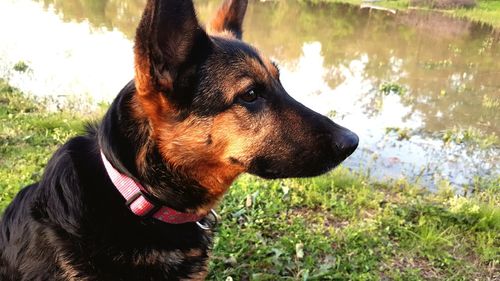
{"x": 168, "y": 37}
{"x": 230, "y": 17}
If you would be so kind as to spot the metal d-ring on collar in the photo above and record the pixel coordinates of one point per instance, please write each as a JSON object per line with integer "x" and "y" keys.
{"x": 206, "y": 225}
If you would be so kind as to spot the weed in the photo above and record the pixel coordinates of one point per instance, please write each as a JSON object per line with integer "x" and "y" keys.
{"x": 491, "y": 102}
{"x": 332, "y": 113}
{"x": 21, "y": 66}
{"x": 402, "y": 133}
{"x": 471, "y": 136}
{"x": 392, "y": 88}
{"x": 431, "y": 65}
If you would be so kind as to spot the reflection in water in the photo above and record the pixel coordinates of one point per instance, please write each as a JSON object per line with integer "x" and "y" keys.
{"x": 65, "y": 59}
{"x": 334, "y": 59}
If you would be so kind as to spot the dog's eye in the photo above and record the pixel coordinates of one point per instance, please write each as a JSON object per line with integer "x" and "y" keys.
{"x": 249, "y": 96}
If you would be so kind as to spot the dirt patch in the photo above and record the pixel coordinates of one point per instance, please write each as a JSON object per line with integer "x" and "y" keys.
{"x": 426, "y": 270}
{"x": 318, "y": 217}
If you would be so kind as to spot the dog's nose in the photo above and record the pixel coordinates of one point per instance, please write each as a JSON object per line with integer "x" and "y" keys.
{"x": 347, "y": 143}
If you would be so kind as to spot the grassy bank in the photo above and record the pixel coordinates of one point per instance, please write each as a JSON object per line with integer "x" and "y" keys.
{"x": 340, "y": 226}
{"x": 486, "y": 11}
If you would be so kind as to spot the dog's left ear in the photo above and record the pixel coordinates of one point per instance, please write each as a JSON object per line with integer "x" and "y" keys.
{"x": 230, "y": 17}
{"x": 169, "y": 41}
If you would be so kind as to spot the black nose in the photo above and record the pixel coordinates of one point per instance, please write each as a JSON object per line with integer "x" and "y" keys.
{"x": 346, "y": 142}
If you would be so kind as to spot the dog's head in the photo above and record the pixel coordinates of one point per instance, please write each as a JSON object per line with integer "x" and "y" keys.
{"x": 216, "y": 106}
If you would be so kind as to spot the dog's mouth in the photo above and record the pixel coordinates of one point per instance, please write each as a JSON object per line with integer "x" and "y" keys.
{"x": 306, "y": 163}
{"x": 269, "y": 173}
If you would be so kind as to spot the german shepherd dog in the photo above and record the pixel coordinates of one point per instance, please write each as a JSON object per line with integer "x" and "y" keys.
{"x": 203, "y": 108}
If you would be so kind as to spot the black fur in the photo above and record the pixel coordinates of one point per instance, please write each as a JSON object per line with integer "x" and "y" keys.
{"x": 74, "y": 223}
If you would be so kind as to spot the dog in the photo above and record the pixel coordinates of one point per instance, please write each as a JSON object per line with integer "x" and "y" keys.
{"x": 131, "y": 199}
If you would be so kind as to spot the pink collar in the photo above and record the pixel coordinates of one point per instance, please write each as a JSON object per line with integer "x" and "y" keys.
{"x": 139, "y": 205}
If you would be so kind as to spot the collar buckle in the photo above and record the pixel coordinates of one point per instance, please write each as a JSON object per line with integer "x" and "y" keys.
{"x": 205, "y": 225}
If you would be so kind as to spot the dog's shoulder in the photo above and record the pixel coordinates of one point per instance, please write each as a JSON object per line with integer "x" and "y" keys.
{"x": 48, "y": 197}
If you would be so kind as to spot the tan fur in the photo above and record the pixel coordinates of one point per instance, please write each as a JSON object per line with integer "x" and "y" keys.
{"x": 199, "y": 276}
{"x": 231, "y": 11}
{"x": 70, "y": 273}
{"x": 271, "y": 67}
{"x": 186, "y": 148}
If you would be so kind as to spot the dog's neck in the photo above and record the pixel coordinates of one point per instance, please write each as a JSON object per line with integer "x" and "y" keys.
{"x": 124, "y": 139}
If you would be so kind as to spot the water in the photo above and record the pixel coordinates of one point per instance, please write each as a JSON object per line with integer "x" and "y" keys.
{"x": 445, "y": 73}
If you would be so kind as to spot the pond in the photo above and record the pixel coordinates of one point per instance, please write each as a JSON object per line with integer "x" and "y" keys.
{"x": 421, "y": 90}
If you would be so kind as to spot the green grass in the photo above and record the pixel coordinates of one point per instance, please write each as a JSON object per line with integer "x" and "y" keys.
{"x": 29, "y": 134}
{"x": 341, "y": 226}
{"x": 353, "y": 229}
{"x": 485, "y": 11}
